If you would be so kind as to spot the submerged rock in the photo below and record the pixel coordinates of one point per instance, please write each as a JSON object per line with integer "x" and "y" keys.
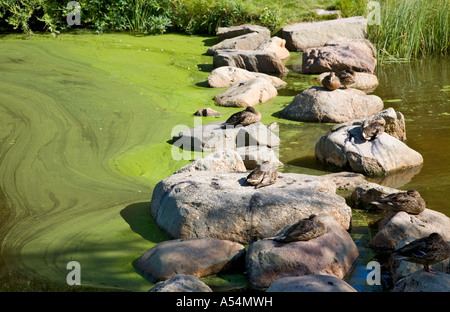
{"x": 206, "y": 112}
{"x": 318, "y": 104}
{"x": 224, "y": 206}
{"x": 422, "y": 281}
{"x": 247, "y": 93}
{"x": 310, "y": 283}
{"x": 331, "y": 254}
{"x": 226, "y": 76}
{"x": 200, "y": 257}
{"x": 347, "y": 149}
{"x": 257, "y": 61}
{"x": 181, "y": 283}
{"x": 301, "y": 36}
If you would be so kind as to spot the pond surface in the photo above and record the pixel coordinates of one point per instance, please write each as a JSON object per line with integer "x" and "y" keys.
{"x": 86, "y": 123}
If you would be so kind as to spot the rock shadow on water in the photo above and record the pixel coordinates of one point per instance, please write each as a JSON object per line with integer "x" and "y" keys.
{"x": 138, "y": 216}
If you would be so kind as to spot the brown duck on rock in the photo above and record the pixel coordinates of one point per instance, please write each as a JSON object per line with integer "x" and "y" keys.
{"x": 331, "y": 82}
{"x": 244, "y": 118}
{"x": 303, "y": 230}
{"x": 263, "y": 175}
{"x": 426, "y": 251}
{"x": 346, "y": 77}
{"x": 372, "y": 127}
{"x": 410, "y": 202}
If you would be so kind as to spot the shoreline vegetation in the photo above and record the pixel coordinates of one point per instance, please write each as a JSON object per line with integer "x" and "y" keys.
{"x": 409, "y": 29}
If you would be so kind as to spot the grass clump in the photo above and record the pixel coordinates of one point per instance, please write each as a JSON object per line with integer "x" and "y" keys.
{"x": 412, "y": 28}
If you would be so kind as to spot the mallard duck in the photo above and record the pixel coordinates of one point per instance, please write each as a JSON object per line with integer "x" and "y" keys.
{"x": 303, "y": 230}
{"x": 263, "y": 175}
{"x": 244, "y": 118}
{"x": 331, "y": 82}
{"x": 410, "y": 202}
{"x": 427, "y": 251}
{"x": 372, "y": 127}
{"x": 346, "y": 77}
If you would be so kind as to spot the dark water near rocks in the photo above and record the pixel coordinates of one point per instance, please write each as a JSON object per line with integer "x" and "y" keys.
{"x": 85, "y": 123}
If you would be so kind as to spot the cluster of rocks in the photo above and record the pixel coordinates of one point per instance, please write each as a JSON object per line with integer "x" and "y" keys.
{"x": 243, "y": 60}
{"x": 210, "y": 212}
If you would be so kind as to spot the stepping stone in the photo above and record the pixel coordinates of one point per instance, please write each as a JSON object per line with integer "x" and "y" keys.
{"x": 301, "y": 36}
{"x": 257, "y": 61}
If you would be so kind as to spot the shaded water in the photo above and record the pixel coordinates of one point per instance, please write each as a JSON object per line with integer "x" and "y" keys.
{"x": 85, "y": 123}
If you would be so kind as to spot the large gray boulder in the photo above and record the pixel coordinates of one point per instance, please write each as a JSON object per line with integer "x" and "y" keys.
{"x": 395, "y": 227}
{"x": 357, "y": 55}
{"x": 422, "y": 281}
{"x": 257, "y": 61}
{"x": 318, "y": 104}
{"x": 235, "y": 31}
{"x": 395, "y": 123}
{"x": 225, "y": 76}
{"x": 310, "y": 283}
{"x": 222, "y": 205}
{"x": 249, "y": 41}
{"x": 181, "y": 283}
{"x": 346, "y": 148}
{"x": 247, "y": 93}
{"x": 215, "y": 136}
{"x": 331, "y": 254}
{"x": 301, "y": 36}
{"x": 200, "y": 257}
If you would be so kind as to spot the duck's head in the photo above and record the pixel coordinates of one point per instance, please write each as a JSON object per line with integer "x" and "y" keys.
{"x": 413, "y": 193}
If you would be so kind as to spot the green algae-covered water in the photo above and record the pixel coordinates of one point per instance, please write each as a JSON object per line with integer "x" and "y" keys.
{"x": 85, "y": 133}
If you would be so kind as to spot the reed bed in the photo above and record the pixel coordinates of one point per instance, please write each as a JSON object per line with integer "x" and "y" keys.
{"x": 411, "y": 29}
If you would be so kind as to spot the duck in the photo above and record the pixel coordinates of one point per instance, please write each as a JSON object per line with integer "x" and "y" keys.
{"x": 263, "y": 175}
{"x": 331, "y": 81}
{"x": 246, "y": 117}
{"x": 346, "y": 77}
{"x": 372, "y": 127}
{"x": 303, "y": 230}
{"x": 410, "y": 202}
{"x": 426, "y": 251}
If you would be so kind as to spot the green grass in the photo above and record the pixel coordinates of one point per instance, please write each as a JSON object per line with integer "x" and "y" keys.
{"x": 411, "y": 29}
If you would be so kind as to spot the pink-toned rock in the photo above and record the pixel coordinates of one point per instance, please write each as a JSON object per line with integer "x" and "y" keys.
{"x": 276, "y": 45}
{"x": 257, "y": 61}
{"x": 247, "y": 93}
{"x": 226, "y": 76}
{"x": 197, "y": 256}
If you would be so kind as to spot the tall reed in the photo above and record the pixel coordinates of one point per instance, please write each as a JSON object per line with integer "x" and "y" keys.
{"x": 412, "y": 28}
